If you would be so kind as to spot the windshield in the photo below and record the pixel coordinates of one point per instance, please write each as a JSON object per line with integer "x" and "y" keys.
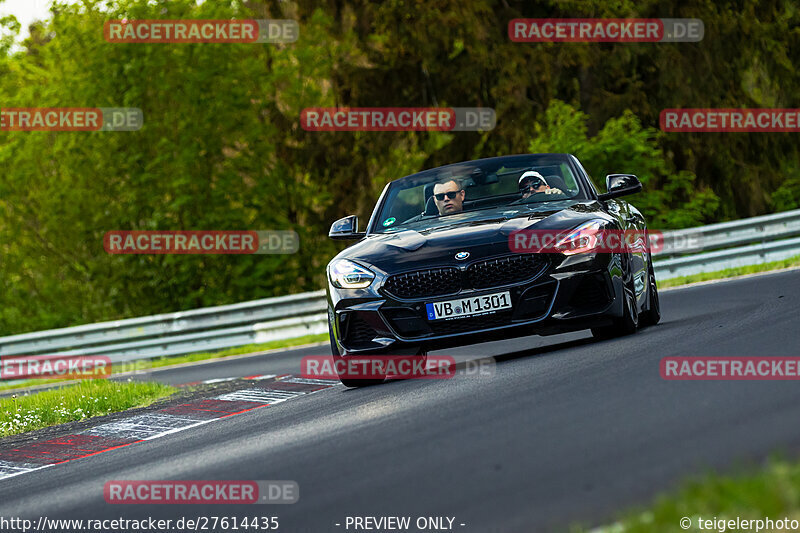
{"x": 519, "y": 183}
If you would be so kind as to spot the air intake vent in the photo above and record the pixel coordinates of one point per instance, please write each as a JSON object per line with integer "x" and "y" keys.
{"x": 504, "y": 270}
{"x": 431, "y": 282}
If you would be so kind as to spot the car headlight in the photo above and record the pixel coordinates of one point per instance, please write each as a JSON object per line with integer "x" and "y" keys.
{"x": 346, "y": 274}
{"x": 585, "y": 238}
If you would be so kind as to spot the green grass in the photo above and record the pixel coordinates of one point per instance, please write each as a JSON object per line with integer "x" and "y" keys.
{"x": 730, "y": 272}
{"x": 26, "y": 383}
{"x": 75, "y": 402}
{"x": 189, "y": 358}
{"x": 770, "y": 492}
{"x": 239, "y": 350}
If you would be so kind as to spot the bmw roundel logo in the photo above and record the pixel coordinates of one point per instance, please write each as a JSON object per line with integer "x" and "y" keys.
{"x": 462, "y": 255}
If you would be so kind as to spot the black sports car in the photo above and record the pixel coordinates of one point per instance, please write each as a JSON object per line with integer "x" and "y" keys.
{"x": 437, "y": 266}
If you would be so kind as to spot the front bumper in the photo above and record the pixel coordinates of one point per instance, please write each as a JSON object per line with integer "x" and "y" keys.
{"x": 568, "y": 294}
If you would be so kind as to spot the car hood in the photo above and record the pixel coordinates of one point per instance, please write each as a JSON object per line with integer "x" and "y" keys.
{"x": 482, "y": 234}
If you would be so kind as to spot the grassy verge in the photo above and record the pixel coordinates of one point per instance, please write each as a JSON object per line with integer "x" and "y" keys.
{"x": 26, "y": 383}
{"x": 189, "y": 358}
{"x": 771, "y": 492}
{"x": 730, "y": 272}
{"x": 239, "y": 350}
{"x": 75, "y": 402}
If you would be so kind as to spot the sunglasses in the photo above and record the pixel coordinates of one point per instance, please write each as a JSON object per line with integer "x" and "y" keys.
{"x": 532, "y": 185}
{"x": 451, "y": 194}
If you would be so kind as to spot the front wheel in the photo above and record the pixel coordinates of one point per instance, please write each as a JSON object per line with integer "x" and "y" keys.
{"x": 628, "y": 322}
{"x": 339, "y": 361}
{"x": 349, "y": 381}
{"x": 354, "y": 382}
{"x": 652, "y": 316}
{"x": 337, "y": 356}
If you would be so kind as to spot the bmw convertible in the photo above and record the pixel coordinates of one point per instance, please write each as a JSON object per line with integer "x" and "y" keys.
{"x": 448, "y": 259}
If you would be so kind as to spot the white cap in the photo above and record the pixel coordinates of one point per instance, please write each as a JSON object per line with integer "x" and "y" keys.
{"x": 531, "y": 174}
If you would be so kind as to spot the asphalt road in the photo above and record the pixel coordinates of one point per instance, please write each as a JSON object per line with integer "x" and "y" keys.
{"x": 567, "y": 429}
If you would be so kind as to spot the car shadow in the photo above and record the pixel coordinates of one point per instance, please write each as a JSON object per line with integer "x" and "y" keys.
{"x": 471, "y": 361}
{"x": 544, "y": 350}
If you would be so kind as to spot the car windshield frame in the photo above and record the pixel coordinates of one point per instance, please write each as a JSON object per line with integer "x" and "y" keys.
{"x": 515, "y": 206}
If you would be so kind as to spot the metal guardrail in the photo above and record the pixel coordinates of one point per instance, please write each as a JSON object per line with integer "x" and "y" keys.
{"x": 726, "y": 234}
{"x": 199, "y": 330}
{"x": 750, "y": 241}
{"x": 703, "y": 249}
{"x": 723, "y": 259}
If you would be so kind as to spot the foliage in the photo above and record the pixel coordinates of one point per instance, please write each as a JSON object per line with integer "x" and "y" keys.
{"x": 669, "y": 198}
{"x": 222, "y": 147}
{"x": 788, "y": 194}
{"x": 76, "y": 402}
{"x": 754, "y": 493}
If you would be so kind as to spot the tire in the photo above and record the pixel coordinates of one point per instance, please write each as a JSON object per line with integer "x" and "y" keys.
{"x": 337, "y": 356}
{"x": 652, "y": 316}
{"x": 355, "y": 383}
{"x": 422, "y": 354}
{"x": 629, "y": 321}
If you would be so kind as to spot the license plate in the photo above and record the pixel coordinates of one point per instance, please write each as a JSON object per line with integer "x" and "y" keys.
{"x": 477, "y": 305}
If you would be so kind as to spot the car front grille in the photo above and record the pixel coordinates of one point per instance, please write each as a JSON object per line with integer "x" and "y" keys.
{"x": 484, "y": 274}
{"x": 504, "y": 270}
{"x": 430, "y": 282}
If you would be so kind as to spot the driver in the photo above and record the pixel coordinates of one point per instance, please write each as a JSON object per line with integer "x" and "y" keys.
{"x": 531, "y": 182}
{"x": 449, "y": 197}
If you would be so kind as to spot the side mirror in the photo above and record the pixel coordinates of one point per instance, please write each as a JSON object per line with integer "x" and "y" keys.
{"x": 345, "y": 229}
{"x": 620, "y": 185}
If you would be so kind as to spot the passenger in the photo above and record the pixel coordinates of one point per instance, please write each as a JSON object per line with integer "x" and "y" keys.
{"x": 531, "y": 182}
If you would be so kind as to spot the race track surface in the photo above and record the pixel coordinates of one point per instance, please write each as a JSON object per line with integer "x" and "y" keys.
{"x": 567, "y": 429}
